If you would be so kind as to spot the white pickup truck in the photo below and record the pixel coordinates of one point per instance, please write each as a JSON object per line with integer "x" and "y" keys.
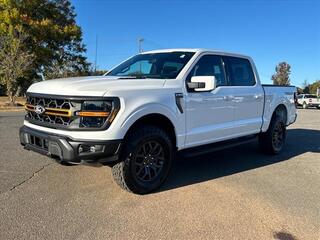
{"x": 140, "y": 114}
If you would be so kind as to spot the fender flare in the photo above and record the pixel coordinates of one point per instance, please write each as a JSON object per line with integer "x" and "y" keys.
{"x": 153, "y": 108}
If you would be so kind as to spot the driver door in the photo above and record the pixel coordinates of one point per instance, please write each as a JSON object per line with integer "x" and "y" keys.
{"x": 209, "y": 115}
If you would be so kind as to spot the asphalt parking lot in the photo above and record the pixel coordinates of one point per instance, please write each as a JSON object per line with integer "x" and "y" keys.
{"x": 236, "y": 193}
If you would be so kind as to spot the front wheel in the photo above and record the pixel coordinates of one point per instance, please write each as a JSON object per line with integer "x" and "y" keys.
{"x": 272, "y": 141}
{"x": 146, "y": 157}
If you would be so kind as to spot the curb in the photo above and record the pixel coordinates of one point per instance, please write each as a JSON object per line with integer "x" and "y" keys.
{"x": 13, "y": 109}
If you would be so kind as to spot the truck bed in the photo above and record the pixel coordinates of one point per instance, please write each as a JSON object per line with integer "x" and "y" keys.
{"x": 275, "y": 94}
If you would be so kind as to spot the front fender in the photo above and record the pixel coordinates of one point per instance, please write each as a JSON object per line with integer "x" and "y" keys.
{"x": 173, "y": 115}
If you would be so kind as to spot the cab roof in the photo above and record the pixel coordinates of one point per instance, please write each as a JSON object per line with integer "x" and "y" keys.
{"x": 196, "y": 50}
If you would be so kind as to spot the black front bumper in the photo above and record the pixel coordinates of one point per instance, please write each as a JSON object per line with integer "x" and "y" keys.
{"x": 69, "y": 150}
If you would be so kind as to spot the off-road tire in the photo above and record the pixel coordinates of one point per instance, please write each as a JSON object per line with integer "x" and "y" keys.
{"x": 125, "y": 173}
{"x": 304, "y": 105}
{"x": 267, "y": 140}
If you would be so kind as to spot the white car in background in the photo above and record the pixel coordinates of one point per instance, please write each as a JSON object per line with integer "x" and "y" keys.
{"x": 308, "y": 100}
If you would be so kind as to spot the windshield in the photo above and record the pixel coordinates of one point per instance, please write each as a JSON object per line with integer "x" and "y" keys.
{"x": 153, "y": 65}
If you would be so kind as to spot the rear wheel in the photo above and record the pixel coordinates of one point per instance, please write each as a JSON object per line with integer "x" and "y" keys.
{"x": 272, "y": 141}
{"x": 146, "y": 160}
{"x": 304, "y": 105}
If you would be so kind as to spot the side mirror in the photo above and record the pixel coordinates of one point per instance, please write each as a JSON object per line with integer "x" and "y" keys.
{"x": 202, "y": 83}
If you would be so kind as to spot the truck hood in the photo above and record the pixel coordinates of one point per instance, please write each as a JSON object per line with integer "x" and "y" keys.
{"x": 92, "y": 86}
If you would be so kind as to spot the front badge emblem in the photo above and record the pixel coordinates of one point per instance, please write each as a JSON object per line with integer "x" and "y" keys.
{"x": 39, "y": 109}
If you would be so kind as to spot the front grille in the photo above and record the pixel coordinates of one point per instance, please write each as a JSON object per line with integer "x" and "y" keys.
{"x": 56, "y": 111}
{"x": 71, "y": 113}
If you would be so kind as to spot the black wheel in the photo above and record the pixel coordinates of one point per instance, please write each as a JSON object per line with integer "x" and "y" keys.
{"x": 272, "y": 141}
{"x": 69, "y": 164}
{"x": 304, "y": 105}
{"x": 146, "y": 157}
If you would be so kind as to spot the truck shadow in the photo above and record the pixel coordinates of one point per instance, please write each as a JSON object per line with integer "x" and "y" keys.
{"x": 188, "y": 171}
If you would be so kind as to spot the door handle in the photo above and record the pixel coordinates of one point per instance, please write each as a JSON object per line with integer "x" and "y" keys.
{"x": 257, "y": 96}
{"x": 228, "y": 98}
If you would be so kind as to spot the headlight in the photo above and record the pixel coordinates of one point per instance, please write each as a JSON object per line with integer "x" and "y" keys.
{"x": 97, "y": 106}
{"x": 96, "y": 114}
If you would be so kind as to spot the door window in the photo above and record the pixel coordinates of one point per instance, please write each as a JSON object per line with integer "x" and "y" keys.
{"x": 239, "y": 71}
{"x": 209, "y": 65}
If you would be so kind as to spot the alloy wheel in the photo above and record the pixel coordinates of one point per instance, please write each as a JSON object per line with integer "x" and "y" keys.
{"x": 149, "y": 161}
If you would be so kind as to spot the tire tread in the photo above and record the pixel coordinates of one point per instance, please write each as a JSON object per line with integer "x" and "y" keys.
{"x": 265, "y": 139}
{"x": 120, "y": 171}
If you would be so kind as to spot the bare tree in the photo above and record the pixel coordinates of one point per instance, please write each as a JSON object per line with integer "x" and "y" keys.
{"x": 15, "y": 61}
{"x": 306, "y": 86}
{"x": 63, "y": 68}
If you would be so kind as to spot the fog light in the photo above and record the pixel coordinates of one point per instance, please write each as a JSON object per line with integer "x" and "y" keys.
{"x": 90, "y": 148}
{"x": 97, "y": 148}
{"x": 80, "y": 150}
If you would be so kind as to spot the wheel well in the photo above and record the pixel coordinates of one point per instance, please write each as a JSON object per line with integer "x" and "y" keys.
{"x": 157, "y": 120}
{"x": 280, "y": 111}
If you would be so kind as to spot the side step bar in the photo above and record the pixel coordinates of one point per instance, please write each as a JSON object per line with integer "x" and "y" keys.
{"x": 212, "y": 147}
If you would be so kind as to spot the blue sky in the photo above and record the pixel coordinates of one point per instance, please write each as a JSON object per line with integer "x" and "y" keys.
{"x": 269, "y": 31}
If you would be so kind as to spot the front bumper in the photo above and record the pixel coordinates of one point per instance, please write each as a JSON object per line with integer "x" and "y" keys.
{"x": 69, "y": 150}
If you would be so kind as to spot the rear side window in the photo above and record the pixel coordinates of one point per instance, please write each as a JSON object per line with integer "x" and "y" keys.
{"x": 239, "y": 71}
{"x": 311, "y": 96}
{"x": 209, "y": 65}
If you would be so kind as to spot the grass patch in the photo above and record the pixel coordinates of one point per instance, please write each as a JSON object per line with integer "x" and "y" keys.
{"x": 6, "y": 105}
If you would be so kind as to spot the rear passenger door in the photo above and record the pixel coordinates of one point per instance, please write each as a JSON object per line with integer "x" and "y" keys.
{"x": 247, "y": 96}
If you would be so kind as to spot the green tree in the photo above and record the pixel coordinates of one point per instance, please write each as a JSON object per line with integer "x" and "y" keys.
{"x": 55, "y": 38}
{"x": 299, "y": 90}
{"x": 281, "y": 77}
{"x": 94, "y": 72}
{"x": 15, "y": 61}
{"x": 314, "y": 86}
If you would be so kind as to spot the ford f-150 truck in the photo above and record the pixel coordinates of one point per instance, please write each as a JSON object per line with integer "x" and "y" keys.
{"x": 142, "y": 113}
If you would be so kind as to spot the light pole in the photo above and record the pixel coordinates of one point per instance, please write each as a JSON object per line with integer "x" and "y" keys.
{"x": 96, "y": 55}
{"x": 140, "y": 40}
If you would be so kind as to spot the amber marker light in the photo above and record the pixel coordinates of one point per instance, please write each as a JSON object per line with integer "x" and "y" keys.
{"x": 29, "y": 107}
{"x": 92, "y": 114}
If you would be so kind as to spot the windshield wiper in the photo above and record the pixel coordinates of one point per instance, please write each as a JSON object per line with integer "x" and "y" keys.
{"x": 132, "y": 77}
